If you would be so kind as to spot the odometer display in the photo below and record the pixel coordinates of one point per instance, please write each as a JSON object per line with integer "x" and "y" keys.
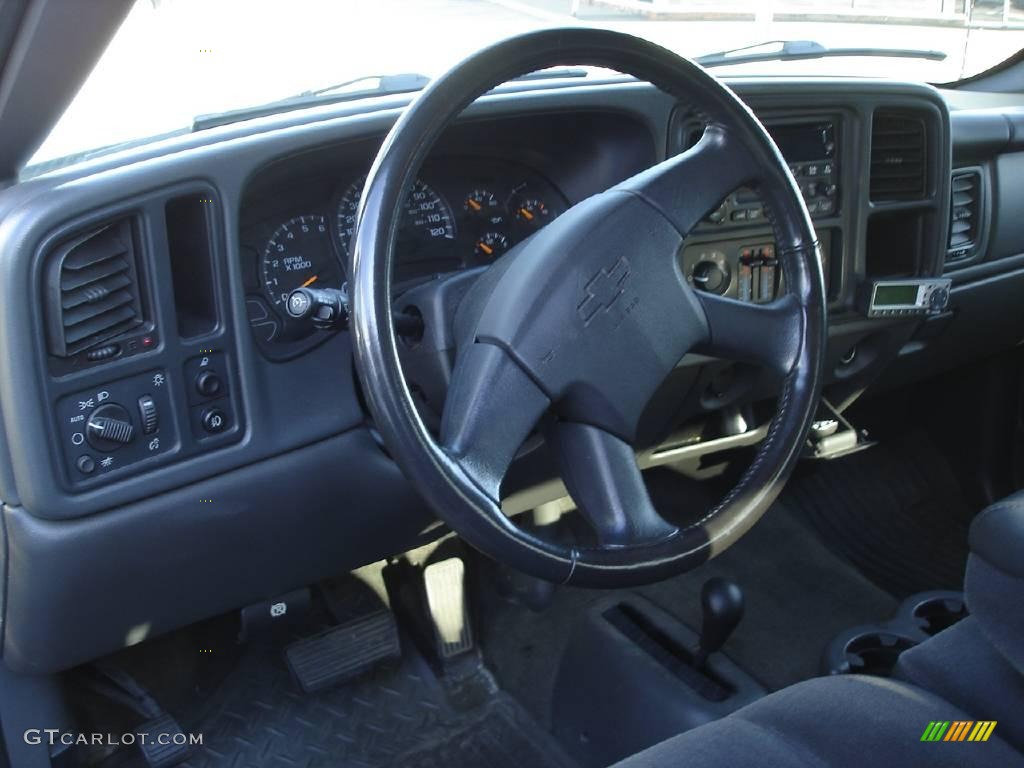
{"x": 299, "y": 254}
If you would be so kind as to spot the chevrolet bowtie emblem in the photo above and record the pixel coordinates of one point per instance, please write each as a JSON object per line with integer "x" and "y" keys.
{"x": 603, "y": 290}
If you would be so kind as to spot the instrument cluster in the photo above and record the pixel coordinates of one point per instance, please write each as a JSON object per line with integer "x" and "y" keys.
{"x": 460, "y": 213}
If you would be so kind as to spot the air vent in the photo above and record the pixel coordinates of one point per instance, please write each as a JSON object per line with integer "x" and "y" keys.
{"x": 964, "y": 214}
{"x": 898, "y": 157}
{"x": 93, "y": 289}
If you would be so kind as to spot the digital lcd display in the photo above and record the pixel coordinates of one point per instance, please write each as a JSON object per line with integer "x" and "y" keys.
{"x": 895, "y": 295}
{"x": 804, "y": 141}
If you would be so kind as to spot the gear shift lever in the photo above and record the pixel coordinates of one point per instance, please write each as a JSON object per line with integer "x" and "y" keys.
{"x": 722, "y": 603}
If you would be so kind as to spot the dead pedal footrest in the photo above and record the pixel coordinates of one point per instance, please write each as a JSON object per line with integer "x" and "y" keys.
{"x": 343, "y": 653}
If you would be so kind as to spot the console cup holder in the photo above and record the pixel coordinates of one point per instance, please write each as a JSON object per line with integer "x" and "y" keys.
{"x": 932, "y": 612}
{"x": 874, "y": 648}
{"x": 867, "y": 651}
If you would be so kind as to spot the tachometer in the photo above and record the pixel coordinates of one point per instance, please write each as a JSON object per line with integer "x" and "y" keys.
{"x": 427, "y": 219}
{"x": 299, "y": 254}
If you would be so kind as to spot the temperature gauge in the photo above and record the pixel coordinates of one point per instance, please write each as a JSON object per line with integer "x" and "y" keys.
{"x": 532, "y": 212}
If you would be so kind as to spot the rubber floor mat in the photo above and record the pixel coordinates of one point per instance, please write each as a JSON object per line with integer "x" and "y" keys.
{"x": 503, "y": 737}
{"x": 399, "y": 715}
{"x": 894, "y": 511}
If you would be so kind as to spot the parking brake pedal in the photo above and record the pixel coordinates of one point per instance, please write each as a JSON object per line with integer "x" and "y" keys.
{"x": 343, "y": 653}
{"x": 446, "y": 599}
{"x": 163, "y": 743}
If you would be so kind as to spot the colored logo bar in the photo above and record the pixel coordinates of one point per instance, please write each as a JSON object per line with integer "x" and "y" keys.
{"x": 958, "y": 730}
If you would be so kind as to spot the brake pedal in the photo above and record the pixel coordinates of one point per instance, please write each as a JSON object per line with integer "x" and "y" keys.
{"x": 445, "y": 583}
{"x": 343, "y": 653}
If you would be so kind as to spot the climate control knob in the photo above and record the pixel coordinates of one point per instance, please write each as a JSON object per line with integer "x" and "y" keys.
{"x": 710, "y": 276}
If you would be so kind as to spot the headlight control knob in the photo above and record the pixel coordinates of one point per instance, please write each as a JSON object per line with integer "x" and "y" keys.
{"x": 109, "y": 427}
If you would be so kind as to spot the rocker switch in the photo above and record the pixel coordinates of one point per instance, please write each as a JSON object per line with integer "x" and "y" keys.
{"x": 148, "y": 414}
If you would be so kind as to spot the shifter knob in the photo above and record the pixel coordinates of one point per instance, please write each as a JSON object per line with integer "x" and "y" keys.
{"x": 722, "y": 603}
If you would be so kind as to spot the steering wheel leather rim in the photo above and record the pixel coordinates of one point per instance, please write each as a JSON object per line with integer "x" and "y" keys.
{"x": 455, "y": 494}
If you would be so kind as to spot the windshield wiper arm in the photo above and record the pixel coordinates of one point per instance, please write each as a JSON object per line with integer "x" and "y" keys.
{"x": 798, "y": 50}
{"x": 386, "y": 85}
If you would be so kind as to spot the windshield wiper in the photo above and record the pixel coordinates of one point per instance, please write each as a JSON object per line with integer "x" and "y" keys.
{"x": 799, "y": 50}
{"x": 332, "y": 94}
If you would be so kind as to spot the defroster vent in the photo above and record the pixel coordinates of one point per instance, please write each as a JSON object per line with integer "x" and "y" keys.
{"x": 92, "y": 289}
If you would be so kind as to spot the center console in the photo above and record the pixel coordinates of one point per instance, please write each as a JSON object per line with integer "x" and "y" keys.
{"x": 719, "y": 258}
{"x": 810, "y": 149}
{"x": 745, "y": 268}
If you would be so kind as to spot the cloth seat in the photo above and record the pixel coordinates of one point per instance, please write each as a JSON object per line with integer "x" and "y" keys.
{"x": 973, "y": 671}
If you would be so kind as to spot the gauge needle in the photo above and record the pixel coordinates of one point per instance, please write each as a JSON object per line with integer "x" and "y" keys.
{"x": 486, "y": 248}
{"x": 473, "y": 204}
{"x": 526, "y": 214}
{"x": 309, "y": 282}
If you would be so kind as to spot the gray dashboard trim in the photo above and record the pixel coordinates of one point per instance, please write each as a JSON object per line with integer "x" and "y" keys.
{"x": 225, "y": 166}
{"x": 82, "y": 588}
{"x": 156, "y": 556}
{"x": 225, "y": 159}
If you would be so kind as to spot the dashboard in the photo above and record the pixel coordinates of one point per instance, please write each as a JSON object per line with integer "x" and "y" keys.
{"x": 462, "y": 212}
{"x": 174, "y": 446}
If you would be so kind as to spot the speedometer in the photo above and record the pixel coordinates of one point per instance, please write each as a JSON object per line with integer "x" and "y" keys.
{"x": 426, "y": 231}
{"x": 299, "y": 254}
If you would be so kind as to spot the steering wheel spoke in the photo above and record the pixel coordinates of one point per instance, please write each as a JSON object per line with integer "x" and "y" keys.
{"x": 491, "y": 408}
{"x": 689, "y": 186}
{"x": 602, "y": 476}
{"x": 767, "y": 334}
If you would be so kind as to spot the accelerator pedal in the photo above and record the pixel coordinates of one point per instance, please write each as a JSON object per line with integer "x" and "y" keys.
{"x": 343, "y": 653}
{"x": 445, "y": 583}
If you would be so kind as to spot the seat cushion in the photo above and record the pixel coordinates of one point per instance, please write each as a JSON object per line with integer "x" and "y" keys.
{"x": 961, "y": 666}
{"x": 845, "y": 720}
{"x": 997, "y": 535}
{"x": 994, "y": 584}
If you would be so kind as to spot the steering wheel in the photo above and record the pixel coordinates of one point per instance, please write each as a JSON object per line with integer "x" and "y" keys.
{"x": 575, "y": 328}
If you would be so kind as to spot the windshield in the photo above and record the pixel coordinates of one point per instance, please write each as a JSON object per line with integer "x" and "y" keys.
{"x": 175, "y": 59}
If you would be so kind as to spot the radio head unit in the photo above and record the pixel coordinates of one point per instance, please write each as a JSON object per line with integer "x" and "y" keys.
{"x": 894, "y": 298}
{"x": 809, "y": 148}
